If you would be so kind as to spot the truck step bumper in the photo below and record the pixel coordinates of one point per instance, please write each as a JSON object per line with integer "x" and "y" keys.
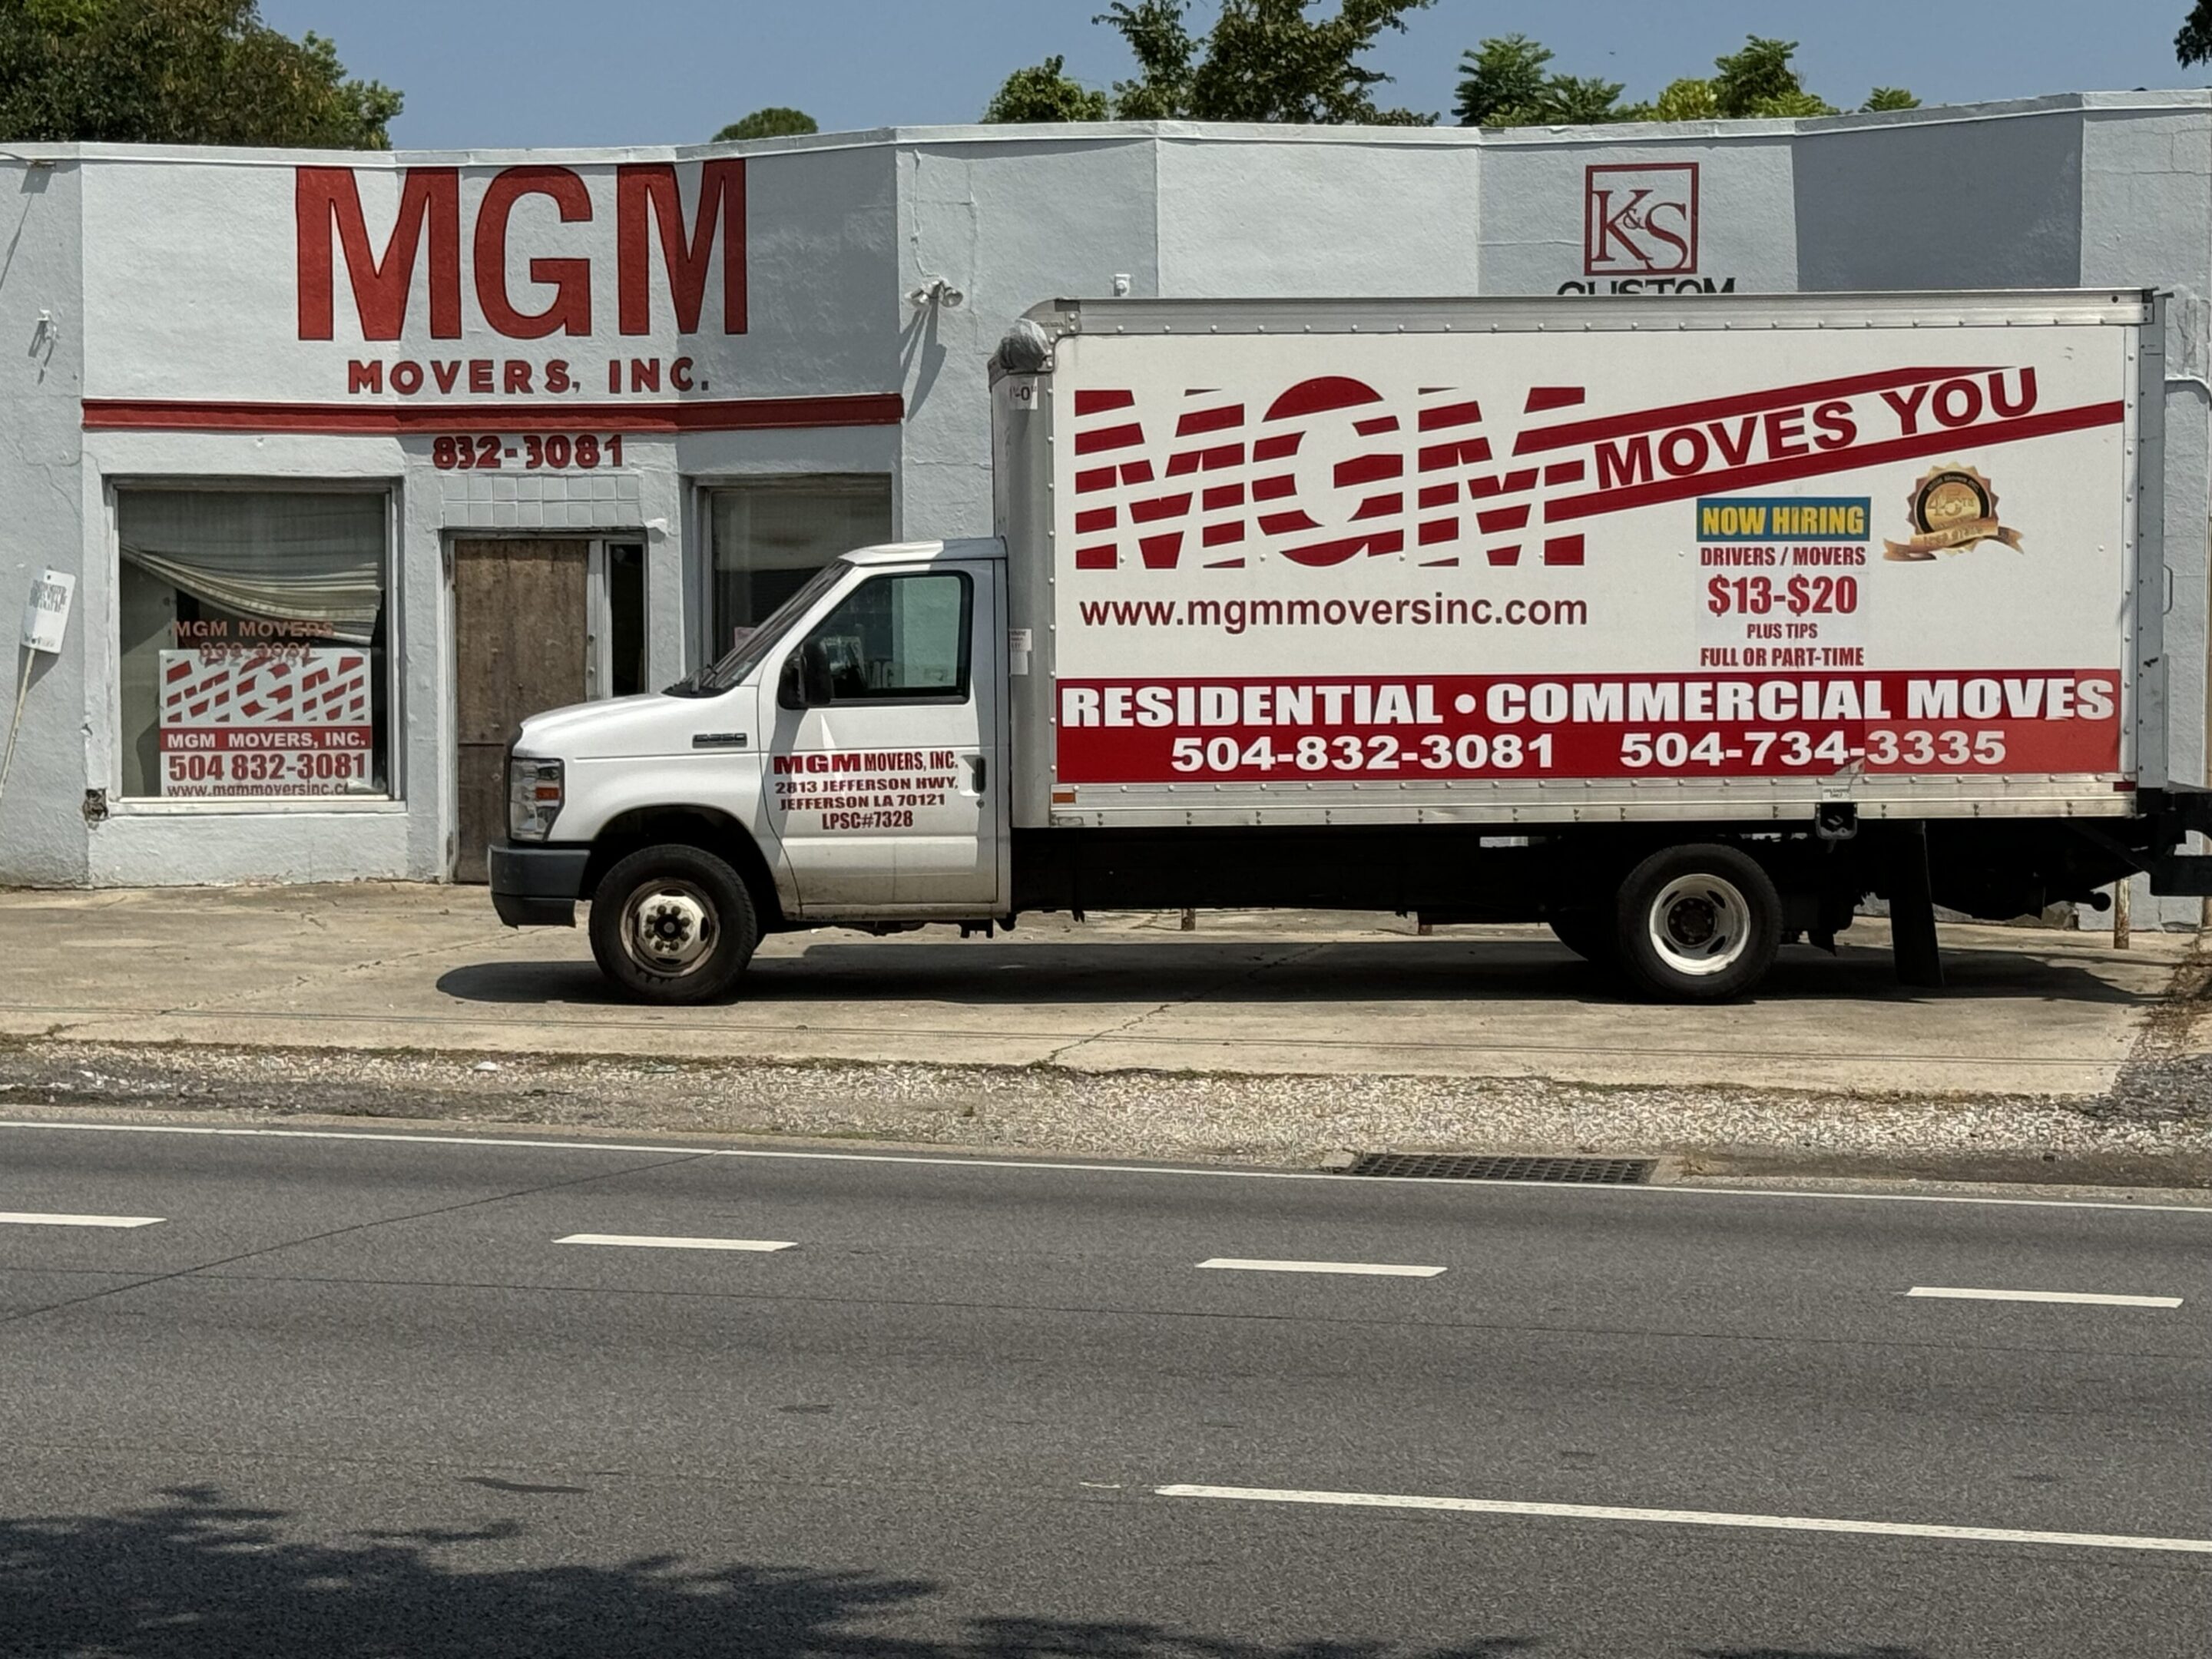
{"x": 2182, "y": 874}
{"x": 537, "y": 886}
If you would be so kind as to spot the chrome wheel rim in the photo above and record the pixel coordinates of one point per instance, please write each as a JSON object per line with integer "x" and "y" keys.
{"x": 669, "y": 928}
{"x": 1699, "y": 924}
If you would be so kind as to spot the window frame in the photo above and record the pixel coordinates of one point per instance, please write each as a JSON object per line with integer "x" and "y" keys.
{"x": 394, "y": 799}
{"x": 953, "y": 696}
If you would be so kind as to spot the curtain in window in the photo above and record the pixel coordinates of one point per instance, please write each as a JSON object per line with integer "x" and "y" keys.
{"x": 315, "y": 558}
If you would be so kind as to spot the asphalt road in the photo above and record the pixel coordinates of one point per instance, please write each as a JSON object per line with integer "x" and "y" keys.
{"x": 350, "y": 1395}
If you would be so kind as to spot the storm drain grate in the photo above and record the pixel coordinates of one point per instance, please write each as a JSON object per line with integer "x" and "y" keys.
{"x": 1580, "y": 1172}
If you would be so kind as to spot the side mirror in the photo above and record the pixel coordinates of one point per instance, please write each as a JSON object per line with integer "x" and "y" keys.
{"x": 814, "y": 679}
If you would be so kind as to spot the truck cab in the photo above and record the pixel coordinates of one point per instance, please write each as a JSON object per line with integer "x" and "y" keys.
{"x": 846, "y": 761}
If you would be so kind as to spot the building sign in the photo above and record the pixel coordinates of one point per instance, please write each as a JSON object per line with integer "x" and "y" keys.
{"x": 1640, "y": 220}
{"x": 445, "y": 247}
{"x": 557, "y": 297}
{"x": 279, "y": 719}
{"x": 1640, "y": 231}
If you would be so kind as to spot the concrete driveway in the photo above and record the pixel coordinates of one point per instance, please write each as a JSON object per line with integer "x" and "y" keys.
{"x": 414, "y": 968}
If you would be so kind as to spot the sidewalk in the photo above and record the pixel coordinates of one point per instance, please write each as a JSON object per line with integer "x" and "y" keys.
{"x": 413, "y": 969}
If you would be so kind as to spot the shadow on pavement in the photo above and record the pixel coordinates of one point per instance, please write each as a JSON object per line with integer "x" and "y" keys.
{"x": 199, "y": 1577}
{"x": 839, "y": 968}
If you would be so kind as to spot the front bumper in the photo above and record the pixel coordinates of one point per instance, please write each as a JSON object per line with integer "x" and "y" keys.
{"x": 534, "y": 886}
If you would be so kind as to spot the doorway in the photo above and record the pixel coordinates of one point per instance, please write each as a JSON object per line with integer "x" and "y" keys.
{"x": 538, "y": 622}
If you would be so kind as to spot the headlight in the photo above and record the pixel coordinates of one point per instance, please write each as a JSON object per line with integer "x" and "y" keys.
{"x": 533, "y": 796}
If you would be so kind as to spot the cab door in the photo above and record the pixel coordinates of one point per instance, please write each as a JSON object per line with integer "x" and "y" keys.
{"x": 884, "y": 773}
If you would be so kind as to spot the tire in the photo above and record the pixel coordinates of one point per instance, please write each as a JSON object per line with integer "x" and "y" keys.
{"x": 1588, "y": 934}
{"x": 673, "y": 925}
{"x": 1697, "y": 924}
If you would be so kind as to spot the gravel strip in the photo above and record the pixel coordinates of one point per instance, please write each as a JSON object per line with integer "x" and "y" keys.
{"x": 2154, "y": 1127}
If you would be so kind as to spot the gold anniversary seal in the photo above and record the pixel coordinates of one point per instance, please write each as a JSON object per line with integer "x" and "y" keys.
{"x": 1951, "y": 508}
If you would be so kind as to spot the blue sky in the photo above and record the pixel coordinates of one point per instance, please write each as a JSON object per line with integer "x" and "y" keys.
{"x": 560, "y": 72}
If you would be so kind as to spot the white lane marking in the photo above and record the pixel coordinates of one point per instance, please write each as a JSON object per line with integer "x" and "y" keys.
{"x": 666, "y": 1147}
{"x": 662, "y": 1242}
{"x": 1381, "y": 1269}
{"x": 1691, "y": 1518}
{"x": 1959, "y": 1293}
{"x": 35, "y": 1219}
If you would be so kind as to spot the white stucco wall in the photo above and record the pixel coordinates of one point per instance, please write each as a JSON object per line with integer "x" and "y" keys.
{"x": 42, "y": 837}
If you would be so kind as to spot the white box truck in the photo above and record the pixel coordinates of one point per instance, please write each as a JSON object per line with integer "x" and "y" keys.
{"x": 1682, "y": 626}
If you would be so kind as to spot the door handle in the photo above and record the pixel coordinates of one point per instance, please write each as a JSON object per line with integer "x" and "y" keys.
{"x": 976, "y": 760}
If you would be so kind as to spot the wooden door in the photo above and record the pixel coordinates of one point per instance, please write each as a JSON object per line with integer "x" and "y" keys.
{"x": 520, "y": 647}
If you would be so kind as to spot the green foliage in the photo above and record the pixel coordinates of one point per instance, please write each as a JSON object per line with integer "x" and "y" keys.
{"x": 1042, "y": 93}
{"x": 776, "y": 121}
{"x": 2194, "y": 44}
{"x": 177, "y": 72}
{"x": 1690, "y": 99}
{"x": 1577, "y": 101}
{"x": 1263, "y": 60}
{"x": 1759, "y": 81}
{"x": 1504, "y": 82}
{"x": 1270, "y": 60}
{"x": 1164, "y": 50}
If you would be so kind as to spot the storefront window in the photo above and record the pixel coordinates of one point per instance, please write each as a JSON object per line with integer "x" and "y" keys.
{"x": 770, "y": 537}
{"x": 253, "y": 640}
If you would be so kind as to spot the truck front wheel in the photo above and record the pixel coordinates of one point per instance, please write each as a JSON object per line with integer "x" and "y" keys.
{"x": 1698, "y": 924}
{"x": 672, "y": 924}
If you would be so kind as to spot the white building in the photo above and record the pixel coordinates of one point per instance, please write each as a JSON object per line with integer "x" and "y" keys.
{"x": 422, "y": 442}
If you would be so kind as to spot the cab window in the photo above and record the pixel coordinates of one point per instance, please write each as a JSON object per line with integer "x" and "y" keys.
{"x": 894, "y": 639}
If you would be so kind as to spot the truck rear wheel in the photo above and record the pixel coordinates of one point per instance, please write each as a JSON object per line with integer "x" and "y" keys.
{"x": 672, "y": 924}
{"x": 1697, "y": 924}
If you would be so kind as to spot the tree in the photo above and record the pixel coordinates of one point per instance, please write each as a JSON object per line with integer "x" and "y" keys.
{"x": 1690, "y": 99}
{"x": 1579, "y": 101}
{"x": 1503, "y": 83}
{"x": 1263, "y": 60}
{"x": 177, "y": 72}
{"x": 1266, "y": 60}
{"x": 2194, "y": 44}
{"x": 1154, "y": 33}
{"x": 1759, "y": 81}
{"x": 776, "y": 121}
{"x": 1042, "y": 93}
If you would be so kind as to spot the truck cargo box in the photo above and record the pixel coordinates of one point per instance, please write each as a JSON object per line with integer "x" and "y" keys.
{"x": 1516, "y": 562}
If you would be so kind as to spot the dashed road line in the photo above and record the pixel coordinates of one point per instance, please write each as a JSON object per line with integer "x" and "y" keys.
{"x": 1381, "y": 1269}
{"x": 1962, "y": 1293}
{"x": 662, "y": 1242}
{"x": 37, "y": 1218}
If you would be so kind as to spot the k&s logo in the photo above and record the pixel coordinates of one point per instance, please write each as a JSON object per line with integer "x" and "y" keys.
{"x": 1640, "y": 219}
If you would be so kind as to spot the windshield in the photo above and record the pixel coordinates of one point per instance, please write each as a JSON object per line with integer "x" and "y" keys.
{"x": 745, "y": 656}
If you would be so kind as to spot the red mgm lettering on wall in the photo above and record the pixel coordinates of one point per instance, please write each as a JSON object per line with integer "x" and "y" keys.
{"x": 652, "y": 235}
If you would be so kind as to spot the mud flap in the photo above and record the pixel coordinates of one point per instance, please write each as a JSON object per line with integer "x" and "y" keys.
{"x": 1912, "y": 910}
